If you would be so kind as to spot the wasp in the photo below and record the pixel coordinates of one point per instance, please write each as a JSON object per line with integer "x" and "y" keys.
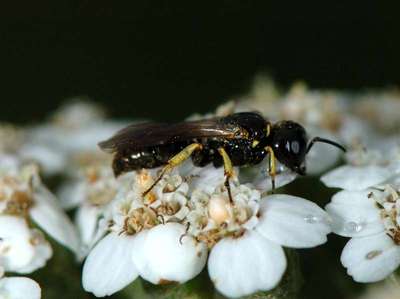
{"x": 235, "y": 140}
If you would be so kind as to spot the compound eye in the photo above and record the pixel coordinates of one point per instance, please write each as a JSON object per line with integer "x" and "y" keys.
{"x": 295, "y": 147}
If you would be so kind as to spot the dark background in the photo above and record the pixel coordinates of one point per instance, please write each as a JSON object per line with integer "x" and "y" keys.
{"x": 166, "y": 59}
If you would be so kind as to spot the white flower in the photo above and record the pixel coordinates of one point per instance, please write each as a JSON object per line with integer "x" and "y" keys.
{"x": 75, "y": 129}
{"x": 47, "y": 213}
{"x": 256, "y": 259}
{"x": 109, "y": 266}
{"x": 202, "y": 178}
{"x": 371, "y": 258}
{"x": 165, "y": 256}
{"x": 22, "y": 250}
{"x": 78, "y": 112}
{"x": 255, "y": 264}
{"x": 258, "y": 176}
{"x": 356, "y": 178}
{"x": 91, "y": 190}
{"x": 367, "y": 211}
{"x": 370, "y": 218}
{"x": 383, "y": 114}
{"x": 322, "y": 109}
{"x": 322, "y": 156}
{"x": 19, "y": 288}
{"x": 369, "y": 164}
{"x": 138, "y": 233}
{"x": 22, "y": 194}
{"x": 95, "y": 186}
{"x": 157, "y": 255}
{"x": 165, "y": 236}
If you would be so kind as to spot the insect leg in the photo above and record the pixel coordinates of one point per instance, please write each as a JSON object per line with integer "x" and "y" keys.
{"x": 272, "y": 167}
{"x": 228, "y": 169}
{"x": 175, "y": 161}
{"x": 185, "y": 234}
{"x": 268, "y": 129}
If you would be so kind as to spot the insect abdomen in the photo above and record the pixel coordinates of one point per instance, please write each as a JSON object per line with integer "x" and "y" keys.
{"x": 150, "y": 157}
{"x": 134, "y": 161}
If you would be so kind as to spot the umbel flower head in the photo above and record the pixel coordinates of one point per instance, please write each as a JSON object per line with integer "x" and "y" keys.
{"x": 167, "y": 235}
{"x": 24, "y": 197}
{"x": 24, "y": 200}
{"x": 90, "y": 188}
{"x": 368, "y": 208}
{"x": 371, "y": 218}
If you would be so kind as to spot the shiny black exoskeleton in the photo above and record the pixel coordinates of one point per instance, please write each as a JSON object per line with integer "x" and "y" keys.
{"x": 246, "y": 138}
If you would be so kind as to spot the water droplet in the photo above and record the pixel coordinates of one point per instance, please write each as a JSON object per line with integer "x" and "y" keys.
{"x": 353, "y": 227}
{"x": 311, "y": 219}
{"x": 372, "y": 254}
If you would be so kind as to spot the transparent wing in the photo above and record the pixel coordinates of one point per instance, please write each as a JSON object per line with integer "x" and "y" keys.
{"x": 138, "y": 136}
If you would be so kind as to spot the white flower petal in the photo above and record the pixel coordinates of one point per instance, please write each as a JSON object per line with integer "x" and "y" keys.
{"x": 77, "y": 112}
{"x": 258, "y": 176}
{"x": 51, "y": 218}
{"x": 356, "y": 178}
{"x": 15, "y": 236}
{"x": 206, "y": 178}
{"x": 43, "y": 253}
{"x": 354, "y": 214}
{"x": 370, "y": 259}
{"x": 71, "y": 194}
{"x": 109, "y": 266}
{"x": 394, "y": 167}
{"x": 163, "y": 257}
{"x": 355, "y": 129}
{"x": 19, "y": 288}
{"x": 51, "y": 160}
{"x": 293, "y": 221}
{"x": 87, "y": 221}
{"x": 10, "y": 164}
{"x": 139, "y": 256}
{"x": 322, "y": 155}
{"x": 246, "y": 265}
{"x": 86, "y": 138}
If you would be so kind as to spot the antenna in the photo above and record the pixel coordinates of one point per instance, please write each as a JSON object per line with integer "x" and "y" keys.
{"x": 323, "y": 140}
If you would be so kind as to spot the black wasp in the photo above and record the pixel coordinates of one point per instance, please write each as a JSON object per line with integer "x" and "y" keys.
{"x": 235, "y": 140}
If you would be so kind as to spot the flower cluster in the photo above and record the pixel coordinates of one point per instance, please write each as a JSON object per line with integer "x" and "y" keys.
{"x": 167, "y": 235}
{"x": 72, "y": 131}
{"x": 25, "y": 201}
{"x": 367, "y": 209}
{"x": 89, "y": 189}
{"x": 187, "y": 222}
{"x": 28, "y": 210}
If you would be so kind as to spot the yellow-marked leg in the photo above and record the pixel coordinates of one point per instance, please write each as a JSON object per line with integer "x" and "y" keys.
{"x": 272, "y": 167}
{"x": 268, "y": 129}
{"x": 175, "y": 161}
{"x": 228, "y": 169}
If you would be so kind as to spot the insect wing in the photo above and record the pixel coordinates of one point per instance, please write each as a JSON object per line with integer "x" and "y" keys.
{"x": 138, "y": 136}
{"x": 129, "y": 136}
